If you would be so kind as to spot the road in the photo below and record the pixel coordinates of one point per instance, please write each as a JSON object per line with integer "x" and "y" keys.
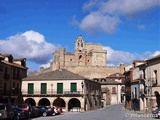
{"x": 112, "y": 112}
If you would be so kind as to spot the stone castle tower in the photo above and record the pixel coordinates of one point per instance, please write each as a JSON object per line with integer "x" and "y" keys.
{"x": 88, "y": 60}
{"x": 85, "y": 54}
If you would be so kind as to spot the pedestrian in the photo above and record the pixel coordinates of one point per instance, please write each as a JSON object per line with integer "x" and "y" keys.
{"x": 157, "y": 98}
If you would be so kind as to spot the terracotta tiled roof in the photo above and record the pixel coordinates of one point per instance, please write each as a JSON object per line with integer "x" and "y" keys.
{"x": 142, "y": 61}
{"x": 19, "y": 59}
{"x": 156, "y": 57}
{"x": 1, "y": 56}
{"x": 110, "y": 82}
{"x": 115, "y": 75}
{"x": 61, "y": 74}
{"x": 13, "y": 64}
{"x": 7, "y": 55}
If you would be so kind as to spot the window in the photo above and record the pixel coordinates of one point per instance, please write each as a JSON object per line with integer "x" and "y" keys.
{"x": 43, "y": 88}
{"x": 73, "y": 87}
{"x": 144, "y": 75}
{"x": 155, "y": 76}
{"x": 59, "y": 88}
{"x": 113, "y": 90}
{"x": 80, "y": 57}
{"x": 30, "y": 88}
{"x": 81, "y": 44}
{"x": 135, "y": 91}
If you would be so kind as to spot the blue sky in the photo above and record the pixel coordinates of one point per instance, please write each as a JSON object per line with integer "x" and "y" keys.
{"x": 34, "y": 29}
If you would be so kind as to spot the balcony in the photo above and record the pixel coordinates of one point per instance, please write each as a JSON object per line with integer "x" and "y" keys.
{"x": 50, "y": 92}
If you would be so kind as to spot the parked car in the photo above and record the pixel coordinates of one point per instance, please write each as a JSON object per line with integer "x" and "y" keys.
{"x": 156, "y": 113}
{"x": 26, "y": 108}
{"x": 47, "y": 110}
{"x": 6, "y": 111}
{"x": 39, "y": 110}
{"x": 35, "y": 112}
{"x": 57, "y": 110}
{"x": 20, "y": 114}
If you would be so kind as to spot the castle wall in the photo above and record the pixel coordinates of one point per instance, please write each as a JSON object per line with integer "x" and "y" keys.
{"x": 98, "y": 59}
{"x": 90, "y": 46}
{"x": 70, "y": 60}
{"x": 95, "y": 72}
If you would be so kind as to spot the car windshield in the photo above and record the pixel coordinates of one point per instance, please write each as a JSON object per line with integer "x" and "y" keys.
{"x": 2, "y": 107}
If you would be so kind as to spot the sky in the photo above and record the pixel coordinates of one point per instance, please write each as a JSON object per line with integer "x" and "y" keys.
{"x": 128, "y": 29}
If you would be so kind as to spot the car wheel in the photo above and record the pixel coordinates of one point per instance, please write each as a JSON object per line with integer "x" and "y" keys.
{"x": 44, "y": 114}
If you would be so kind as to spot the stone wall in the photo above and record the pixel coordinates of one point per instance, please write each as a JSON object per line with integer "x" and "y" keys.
{"x": 95, "y": 71}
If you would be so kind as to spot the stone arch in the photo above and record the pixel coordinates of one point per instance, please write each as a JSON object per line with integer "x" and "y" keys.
{"x": 44, "y": 101}
{"x": 30, "y": 101}
{"x": 59, "y": 102}
{"x": 73, "y": 102}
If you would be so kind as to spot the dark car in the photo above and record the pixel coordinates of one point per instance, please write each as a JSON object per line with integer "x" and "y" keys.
{"x": 26, "y": 108}
{"x": 35, "y": 112}
{"x": 156, "y": 113}
{"x": 47, "y": 111}
{"x": 39, "y": 110}
{"x": 19, "y": 114}
{"x": 6, "y": 111}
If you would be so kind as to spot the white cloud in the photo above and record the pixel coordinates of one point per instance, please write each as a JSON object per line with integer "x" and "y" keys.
{"x": 105, "y": 15}
{"x": 34, "y": 36}
{"x": 75, "y": 21}
{"x": 30, "y": 44}
{"x": 156, "y": 53}
{"x": 96, "y": 21}
{"x": 127, "y": 6}
{"x": 47, "y": 65}
{"x": 91, "y": 5}
{"x": 141, "y": 27}
{"x": 115, "y": 57}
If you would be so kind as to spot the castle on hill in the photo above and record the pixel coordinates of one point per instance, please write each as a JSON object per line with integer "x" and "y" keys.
{"x": 88, "y": 60}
